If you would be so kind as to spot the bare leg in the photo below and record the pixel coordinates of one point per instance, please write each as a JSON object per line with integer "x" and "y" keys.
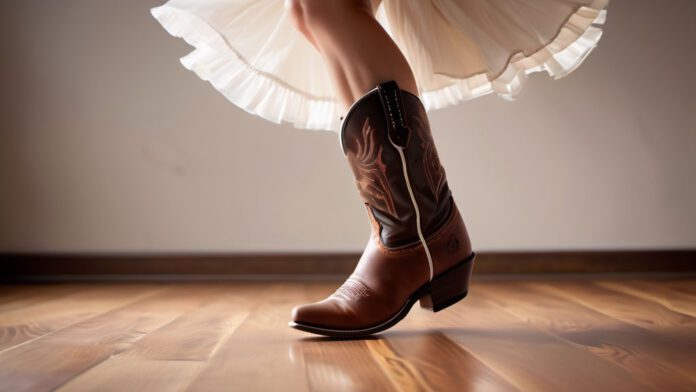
{"x": 357, "y": 50}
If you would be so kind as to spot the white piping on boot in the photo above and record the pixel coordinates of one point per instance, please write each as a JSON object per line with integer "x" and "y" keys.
{"x": 415, "y": 206}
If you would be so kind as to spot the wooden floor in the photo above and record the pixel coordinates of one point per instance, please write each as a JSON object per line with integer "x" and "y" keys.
{"x": 534, "y": 336}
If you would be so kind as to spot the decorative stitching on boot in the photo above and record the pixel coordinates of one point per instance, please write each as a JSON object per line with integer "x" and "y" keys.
{"x": 434, "y": 172}
{"x": 352, "y": 290}
{"x": 371, "y": 172}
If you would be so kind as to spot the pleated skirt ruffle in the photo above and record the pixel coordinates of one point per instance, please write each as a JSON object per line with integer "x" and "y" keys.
{"x": 250, "y": 51}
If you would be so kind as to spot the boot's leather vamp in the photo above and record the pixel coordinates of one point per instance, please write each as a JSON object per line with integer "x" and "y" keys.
{"x": 385, "y": 278}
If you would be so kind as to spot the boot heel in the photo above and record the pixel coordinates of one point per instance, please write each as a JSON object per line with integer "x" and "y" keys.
{"x": 449, "y": 287}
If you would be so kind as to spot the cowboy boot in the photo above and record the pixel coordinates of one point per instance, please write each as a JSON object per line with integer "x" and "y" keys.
{"x": 419, "y": 248}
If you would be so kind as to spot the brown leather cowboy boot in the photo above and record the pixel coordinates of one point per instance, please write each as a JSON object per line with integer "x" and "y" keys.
{"x": 419, "y": 248}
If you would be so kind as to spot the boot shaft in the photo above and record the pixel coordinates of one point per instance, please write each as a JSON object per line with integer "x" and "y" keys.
{"x": 387, "y": 140}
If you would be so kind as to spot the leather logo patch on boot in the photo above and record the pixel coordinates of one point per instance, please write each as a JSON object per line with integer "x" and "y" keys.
{"x": 452, "y": 244}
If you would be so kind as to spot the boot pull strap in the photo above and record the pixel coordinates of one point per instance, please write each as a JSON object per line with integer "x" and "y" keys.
{"x": 395, "y": 113}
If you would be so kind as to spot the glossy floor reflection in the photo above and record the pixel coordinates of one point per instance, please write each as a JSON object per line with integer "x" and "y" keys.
{"x": 410, "y": 361}
{"x": 623, "y": 335}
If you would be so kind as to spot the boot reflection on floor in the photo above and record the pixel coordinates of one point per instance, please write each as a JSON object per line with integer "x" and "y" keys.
{"x": 401, "y": 361}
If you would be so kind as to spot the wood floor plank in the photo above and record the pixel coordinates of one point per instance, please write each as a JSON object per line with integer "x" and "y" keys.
{"x": 134, "y": 374}
{"x": 257, "y": 355}
{"x": 44, "y": 367}
{"x": 24, "y": 295}
{"x": 635, "y": 310}
{"x": 530, "y": 359}
{"x": 195, "y": 335}
{"x": 661, "y": 361}
{"x": 120, "y": 328}
{"x": 685, "y": 286}
{"x": 338, "y": 365}
{"x": 430, "y": 361}
{"x": 656, "y": 291}
{"x": 25, "y": 324}
{"x": 107, "y": 334}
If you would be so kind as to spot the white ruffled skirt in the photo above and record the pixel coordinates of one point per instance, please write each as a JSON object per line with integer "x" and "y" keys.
{"x": 250, "y": 51}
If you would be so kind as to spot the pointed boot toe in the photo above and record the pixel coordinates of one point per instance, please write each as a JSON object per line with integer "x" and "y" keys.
{"x": 326, "y": 315}
{"x": 311, "y": 314}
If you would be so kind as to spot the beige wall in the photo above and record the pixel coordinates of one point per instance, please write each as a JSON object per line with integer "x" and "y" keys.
{"x": 108, "y": 144}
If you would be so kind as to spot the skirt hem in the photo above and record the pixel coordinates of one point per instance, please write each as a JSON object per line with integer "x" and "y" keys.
{"x": 260, "y": 93}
